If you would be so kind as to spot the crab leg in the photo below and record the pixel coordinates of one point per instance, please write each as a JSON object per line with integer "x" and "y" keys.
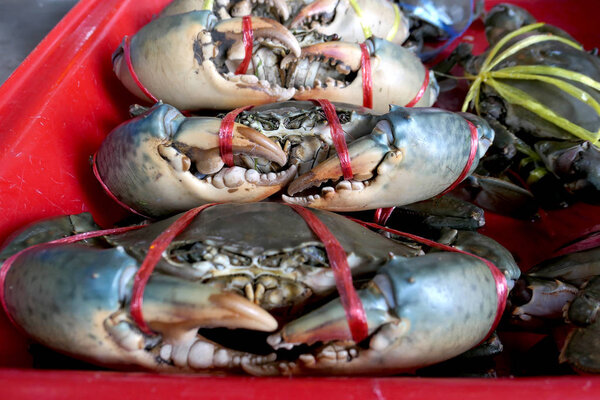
{"x": 163, "y": 162}
{"x": 418, "y": 313}
{"x": 411, "y": 155}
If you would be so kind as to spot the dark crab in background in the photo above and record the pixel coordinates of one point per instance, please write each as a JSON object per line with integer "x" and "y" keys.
{"x": 535, "y": 145}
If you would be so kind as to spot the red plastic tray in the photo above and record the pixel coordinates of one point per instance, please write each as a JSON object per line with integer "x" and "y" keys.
{"x": 62, "y": 101}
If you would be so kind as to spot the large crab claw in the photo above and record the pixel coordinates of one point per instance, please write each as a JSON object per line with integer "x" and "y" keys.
{"x": 418, "y": 313}
{"x": 339, "y": 17}
{"x": 188, "y": 60}
{"x": 411, "y": 155}
{"x": 332, "y": 70}
{"x": 163, "y": 162}
{"x": 71, "y": 298}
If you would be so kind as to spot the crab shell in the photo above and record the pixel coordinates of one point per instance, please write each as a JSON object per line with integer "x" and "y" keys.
{"x": 418, "y": 312}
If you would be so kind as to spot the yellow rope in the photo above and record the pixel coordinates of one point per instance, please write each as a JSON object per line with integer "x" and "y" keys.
{"x": 541, "y": 73}
{"x": 366, "y": 29}
{"x": 207, "y": 5}
{"x": 392, "y": 33}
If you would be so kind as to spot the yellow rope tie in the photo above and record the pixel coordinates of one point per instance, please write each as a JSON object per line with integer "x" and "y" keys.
{"x": 208, "y": 5}
{"x": 366, "y": 28}
{"x": 542, "y": 73}
{"x": 392, "y": 33}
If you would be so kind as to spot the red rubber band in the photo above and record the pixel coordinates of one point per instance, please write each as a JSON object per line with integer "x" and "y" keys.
{"x": 127, "y": 54}
{"x": 499, "y": 278}
{"x": 226, "y": 135}
{"x": 355, "y": 312}
{"x": 158, "y": 246}
{"x": 248, "y": 37}
{"x": 108, "y": 191}
{"x": 337, "y": 135}
{"x": 367, "y": 82}
{"x": 421, "y": 91}
{"x": 382, "y": 215}
{"x": 69, "y": 239}
{"x": 470, "y": 160}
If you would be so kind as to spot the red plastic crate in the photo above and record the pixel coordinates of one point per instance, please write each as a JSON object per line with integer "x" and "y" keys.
{"x": 59, "y": 105}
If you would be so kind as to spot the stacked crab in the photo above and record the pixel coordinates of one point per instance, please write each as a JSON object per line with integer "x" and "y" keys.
{"x": 253, "y": 286}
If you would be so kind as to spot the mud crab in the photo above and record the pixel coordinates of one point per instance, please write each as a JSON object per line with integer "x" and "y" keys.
{"x": 541, "y": 93}
{"x": 162, "y": 162}
{"x": 353, "y": 21}
{"x": 188, "y": 60}
{"x": 251, "y": 277}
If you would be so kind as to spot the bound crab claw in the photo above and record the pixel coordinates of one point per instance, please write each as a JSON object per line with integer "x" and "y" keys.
{"x": 341, "y": 17}
{"x": 411, "y": 155}
{"x": 72, "y": 297}
{"x": 188, "y": 60}
{"x": 418, "y": 313}
{"x": 333, "y": 70}
{"x": 176, "y": 163}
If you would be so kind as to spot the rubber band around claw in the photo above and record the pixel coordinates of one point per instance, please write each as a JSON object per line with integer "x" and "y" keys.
{"x": 499, "y": 278}
{"x": 337, "y": 135}
{"x": 127, "y": 54}
{"x": 109, "y": 192}
{"x": 248, "y": 37}
{"x": 5, "y": 267}
{"x": 226, "y": 135}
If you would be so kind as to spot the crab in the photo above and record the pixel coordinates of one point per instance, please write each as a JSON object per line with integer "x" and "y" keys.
{"x": 253, "y": 269}
{"x": 348, "y": 21}
{"x": 161, "y": 162}
{"x": 551, "y": 121}
{"x": 188, "y": 60}
{"x": 563, "y": 290}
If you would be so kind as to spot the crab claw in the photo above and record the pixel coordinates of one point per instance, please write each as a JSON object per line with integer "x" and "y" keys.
{"x": 320, "y": 8}
{"x": 418, "y": 313}
{"x": 175, "y": 303}
{"x": 333, "y": 70}
{"x": 411, "y": 155}
{"x": 98, "y": 282}
{"x": 162, "y": 163}
{"x": 262, "y": 29}
{"x": 188, "y": 60}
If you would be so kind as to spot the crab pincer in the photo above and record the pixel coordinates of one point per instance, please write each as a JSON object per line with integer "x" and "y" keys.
{"x": 417, "y": 312}
{"x": 188, "y": 60}
{"x": 411, "y": 155}
{"x": 71, "y": 298}
{"x": 176, "y": 162}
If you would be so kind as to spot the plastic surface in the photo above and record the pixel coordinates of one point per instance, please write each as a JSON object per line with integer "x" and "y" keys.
{"x": 59, "y": 105}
